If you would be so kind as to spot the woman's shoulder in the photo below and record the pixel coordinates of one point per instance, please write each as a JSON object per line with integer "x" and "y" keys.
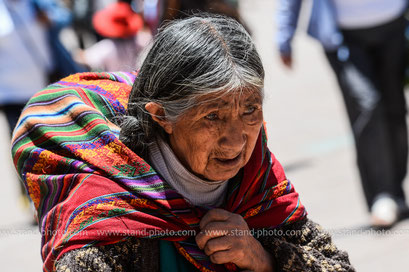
{"x": 304, "y": 246}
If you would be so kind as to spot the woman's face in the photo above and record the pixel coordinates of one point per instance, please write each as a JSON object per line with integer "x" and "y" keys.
{"x": 216, "y": 138}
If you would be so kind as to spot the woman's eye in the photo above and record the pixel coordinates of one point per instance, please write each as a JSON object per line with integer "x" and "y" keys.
{"x": 250, "y": 110}
{"x": 212, "y": 116}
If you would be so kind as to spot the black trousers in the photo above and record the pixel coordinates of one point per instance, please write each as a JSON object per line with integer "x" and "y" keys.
{"x": 370, "y": 70}
{"x": 12, "y": 112}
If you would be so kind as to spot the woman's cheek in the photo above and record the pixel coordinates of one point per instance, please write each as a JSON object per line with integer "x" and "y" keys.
{"x": 253, "y": 130}
{"x": 199, "y": 147}
{"x": 253, "y": 119}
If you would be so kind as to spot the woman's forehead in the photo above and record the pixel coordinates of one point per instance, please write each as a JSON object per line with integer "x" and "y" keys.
{"x": 218, "y": 101}
{"x": 224, "y": 97}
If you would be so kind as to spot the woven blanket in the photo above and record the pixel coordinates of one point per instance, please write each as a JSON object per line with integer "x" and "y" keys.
{"x": 89, "y": 189}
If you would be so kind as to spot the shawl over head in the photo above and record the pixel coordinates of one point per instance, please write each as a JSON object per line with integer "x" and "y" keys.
{"x": 90, "y": 189}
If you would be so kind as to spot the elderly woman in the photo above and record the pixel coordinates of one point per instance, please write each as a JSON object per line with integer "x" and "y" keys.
{"x": 172, "y": 174}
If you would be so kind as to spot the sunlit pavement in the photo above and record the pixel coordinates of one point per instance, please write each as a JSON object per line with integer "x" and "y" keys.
{"x": 309, "y": 134}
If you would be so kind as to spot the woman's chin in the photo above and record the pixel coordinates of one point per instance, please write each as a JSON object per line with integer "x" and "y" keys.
{"x": 218, "y": 174}
{"x": 223, "y": 169}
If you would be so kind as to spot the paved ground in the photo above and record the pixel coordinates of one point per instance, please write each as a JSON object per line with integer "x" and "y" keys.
{"x": 309, "y": 134}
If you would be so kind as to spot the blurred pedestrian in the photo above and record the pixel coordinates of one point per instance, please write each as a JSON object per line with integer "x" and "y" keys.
{"x": 24, "y": 53}
{"x": 56, "y": 16}
{"x": 125, "y": 39}
{"x": 25, "y": 60}
{"x": 365, "y": 45}
{"x": 82, "y": 12}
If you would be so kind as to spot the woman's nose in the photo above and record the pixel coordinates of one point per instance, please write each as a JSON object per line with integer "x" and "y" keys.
{"x": 233, "y": 137}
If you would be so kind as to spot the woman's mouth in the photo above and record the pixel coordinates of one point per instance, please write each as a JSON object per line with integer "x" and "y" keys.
{"x": 229, "y": 162}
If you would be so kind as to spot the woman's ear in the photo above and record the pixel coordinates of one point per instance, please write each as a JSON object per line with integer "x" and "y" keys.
{"x": 158, "y": 115}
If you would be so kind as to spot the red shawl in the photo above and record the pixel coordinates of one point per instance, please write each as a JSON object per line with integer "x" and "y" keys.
{"x": 90, "y": 189}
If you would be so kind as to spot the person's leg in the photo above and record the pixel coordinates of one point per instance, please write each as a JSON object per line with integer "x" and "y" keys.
{"x": 391, "y": 56}
{"x": 367, "y": 118}
{"x": 12, "y": 113}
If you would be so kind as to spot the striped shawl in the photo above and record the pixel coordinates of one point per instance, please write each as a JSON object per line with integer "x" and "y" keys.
{"x": 89, "y": 189}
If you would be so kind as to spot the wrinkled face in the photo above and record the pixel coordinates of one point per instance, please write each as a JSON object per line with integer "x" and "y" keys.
{"x": 216, "y": 138}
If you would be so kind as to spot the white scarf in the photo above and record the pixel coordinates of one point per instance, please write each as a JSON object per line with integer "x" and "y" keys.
{"x": 197, "y": 191}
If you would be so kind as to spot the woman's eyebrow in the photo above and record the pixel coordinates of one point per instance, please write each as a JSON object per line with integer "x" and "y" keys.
{"x": 222, "y": 103}
{"x": 252, "y": 99}
{"x": 212, "y": 106}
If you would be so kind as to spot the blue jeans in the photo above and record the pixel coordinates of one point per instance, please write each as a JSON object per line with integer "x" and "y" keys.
{"x": 370, "y": 71}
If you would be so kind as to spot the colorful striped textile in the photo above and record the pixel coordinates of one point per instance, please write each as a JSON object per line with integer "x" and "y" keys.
{"x": 89, "y": 189}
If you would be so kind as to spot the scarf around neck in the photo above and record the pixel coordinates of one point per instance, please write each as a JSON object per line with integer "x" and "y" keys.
{"x": 89, "y": 189}
{"x": 197, "y": 191}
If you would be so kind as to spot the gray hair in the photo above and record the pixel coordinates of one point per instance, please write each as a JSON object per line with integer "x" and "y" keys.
{"x": 201, "y": 55}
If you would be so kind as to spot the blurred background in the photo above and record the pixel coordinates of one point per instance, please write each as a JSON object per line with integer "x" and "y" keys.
{"x": 307, "y": 124}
